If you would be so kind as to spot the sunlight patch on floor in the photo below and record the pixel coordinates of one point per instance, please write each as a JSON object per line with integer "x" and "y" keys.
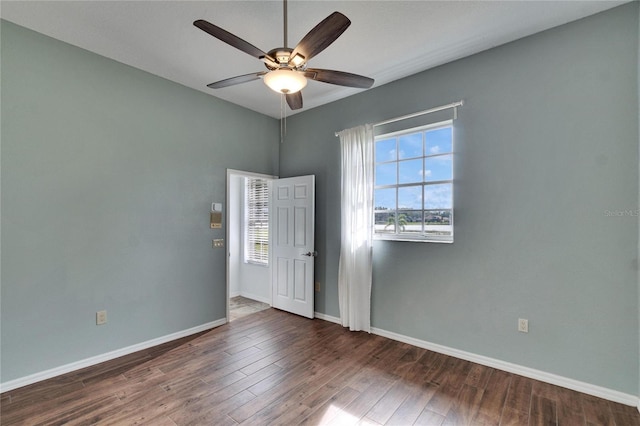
{"x": 337, "y": 416}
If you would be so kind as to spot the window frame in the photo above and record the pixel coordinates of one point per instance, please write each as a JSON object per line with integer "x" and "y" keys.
{"x": 420, "y": 237}
{"x": 254, "y": 215}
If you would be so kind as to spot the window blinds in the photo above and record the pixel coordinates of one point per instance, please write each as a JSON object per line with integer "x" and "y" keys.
{"x": 257, "y": 221}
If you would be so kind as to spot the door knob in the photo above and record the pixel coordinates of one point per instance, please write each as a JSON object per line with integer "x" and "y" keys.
{"x": 311, "y": 254}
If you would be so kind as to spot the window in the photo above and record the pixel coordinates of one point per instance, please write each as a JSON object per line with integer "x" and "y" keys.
{"x": 256, "y": 221}
{"x": 413, "y": 197}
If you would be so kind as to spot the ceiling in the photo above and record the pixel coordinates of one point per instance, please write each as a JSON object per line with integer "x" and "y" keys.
{"x": 387, "y": 40}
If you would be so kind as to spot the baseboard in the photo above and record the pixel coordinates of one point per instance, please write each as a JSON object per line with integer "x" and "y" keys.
{"x": 554, "y": 379}
{"x": 251, "y": 296}
{"x": 326, "y": 317}
{"x": 599, "y": 391}
{"x": 68, "y": 368}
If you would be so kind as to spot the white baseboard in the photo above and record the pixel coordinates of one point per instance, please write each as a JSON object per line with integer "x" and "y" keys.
{"x": 554, "y": 379}
{"x": 63, "y": 369}
{"x": 251, "y": 296}
{"x": 326, "y": 317}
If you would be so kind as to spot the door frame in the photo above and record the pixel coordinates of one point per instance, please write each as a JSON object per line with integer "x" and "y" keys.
{"x": 239, "y": 173}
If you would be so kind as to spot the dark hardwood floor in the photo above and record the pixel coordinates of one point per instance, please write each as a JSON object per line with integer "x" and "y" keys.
{"x": 273, "y": 368}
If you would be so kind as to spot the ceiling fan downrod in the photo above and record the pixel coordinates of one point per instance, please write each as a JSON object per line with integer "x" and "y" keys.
{"x": 284, "y": 12}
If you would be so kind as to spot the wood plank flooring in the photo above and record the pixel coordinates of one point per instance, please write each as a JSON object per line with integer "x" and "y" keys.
{"x": 273, "y": 368}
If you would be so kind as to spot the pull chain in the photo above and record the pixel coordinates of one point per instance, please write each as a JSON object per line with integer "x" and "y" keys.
{"x": 283, "y": 118}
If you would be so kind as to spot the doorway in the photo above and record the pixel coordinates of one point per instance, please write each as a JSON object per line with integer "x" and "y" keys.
{"x": 271, "y": 257}
{"x": 248, "y": 284}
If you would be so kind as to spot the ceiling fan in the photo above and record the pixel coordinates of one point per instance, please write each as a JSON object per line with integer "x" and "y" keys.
{"x": 287, "y": 70}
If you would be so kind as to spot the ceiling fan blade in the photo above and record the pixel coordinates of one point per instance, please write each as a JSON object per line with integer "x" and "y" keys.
{"x": 236, "y": 80}
{"x": 229, "y": 38}
{"x": 294, "y": 100}
{"x": 321, "y": 36}
{"x": 340, "y": 78}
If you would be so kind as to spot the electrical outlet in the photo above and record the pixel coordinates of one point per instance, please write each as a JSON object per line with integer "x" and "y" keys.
{"x": 317, "y": 286}
{"x": 101, "y": 317}
{"x": 218, "y": 242}
{"x": 523, "y": 325}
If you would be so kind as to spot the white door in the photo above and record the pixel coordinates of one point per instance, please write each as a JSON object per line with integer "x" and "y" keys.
{"x": 293, "y": 255}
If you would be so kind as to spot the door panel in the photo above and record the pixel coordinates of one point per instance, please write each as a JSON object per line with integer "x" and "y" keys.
{"x": 293, "y": 204}
{"x": 300, "y": 274}
{"x": 282, "y": 215}
{"x": 300, "y": 227}
{"x": 282, "y": 277}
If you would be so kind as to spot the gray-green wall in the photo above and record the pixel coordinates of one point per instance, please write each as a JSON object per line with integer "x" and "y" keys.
{"x": 108, "y": 174}
{"x": 546, "y": 145}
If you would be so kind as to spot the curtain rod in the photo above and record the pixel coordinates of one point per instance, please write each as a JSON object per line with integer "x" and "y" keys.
{"x": 419, "y": 113}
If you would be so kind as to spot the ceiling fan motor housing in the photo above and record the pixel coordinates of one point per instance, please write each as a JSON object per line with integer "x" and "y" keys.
{"x": 282, "y": 57}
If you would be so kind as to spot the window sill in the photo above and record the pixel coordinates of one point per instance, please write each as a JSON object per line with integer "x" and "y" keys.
{"x": 411, "y": 240}
{"x": 264, "y": 265}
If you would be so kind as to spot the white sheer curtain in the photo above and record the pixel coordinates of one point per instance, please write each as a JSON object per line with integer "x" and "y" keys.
{"x": 356, "y": 250}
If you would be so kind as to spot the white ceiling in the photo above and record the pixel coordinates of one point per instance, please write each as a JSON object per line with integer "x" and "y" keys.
{"x": 387, "y": 40}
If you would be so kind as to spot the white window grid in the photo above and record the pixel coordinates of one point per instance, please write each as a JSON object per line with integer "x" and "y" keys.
{"x": 398, "y": 235}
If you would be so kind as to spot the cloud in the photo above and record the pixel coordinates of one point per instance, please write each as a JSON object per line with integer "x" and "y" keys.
{"x": 410, "y": 198}
{"x": 434, "y": 149}
{"x": 438, "y": 196}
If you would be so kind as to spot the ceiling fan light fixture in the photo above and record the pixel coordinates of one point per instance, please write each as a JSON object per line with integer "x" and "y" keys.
{"x": 285, "y": 81}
